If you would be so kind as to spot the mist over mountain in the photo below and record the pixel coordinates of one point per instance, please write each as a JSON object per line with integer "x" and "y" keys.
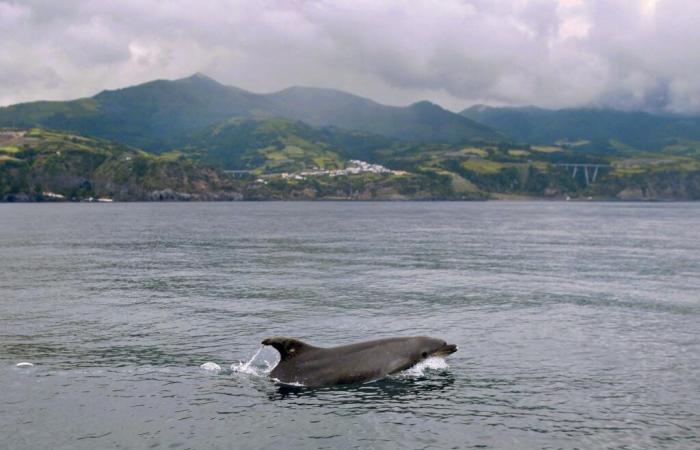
{"x": 588, "y": 128}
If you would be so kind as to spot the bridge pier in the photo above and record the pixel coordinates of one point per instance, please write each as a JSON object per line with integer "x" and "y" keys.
{"x": 590, "y": 178}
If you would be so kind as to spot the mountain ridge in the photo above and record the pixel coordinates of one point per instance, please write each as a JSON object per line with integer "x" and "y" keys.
{"x": 159, "y": 114}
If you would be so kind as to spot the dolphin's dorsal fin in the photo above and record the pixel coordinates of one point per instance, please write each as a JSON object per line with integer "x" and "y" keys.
{"x": 288, "y": 347}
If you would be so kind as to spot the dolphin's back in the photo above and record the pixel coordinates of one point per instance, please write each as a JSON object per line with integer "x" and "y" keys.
{"x": 346, "y": 364}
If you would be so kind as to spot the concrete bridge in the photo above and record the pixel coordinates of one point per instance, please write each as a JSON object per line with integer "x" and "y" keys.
{"x": 590, "y": 170}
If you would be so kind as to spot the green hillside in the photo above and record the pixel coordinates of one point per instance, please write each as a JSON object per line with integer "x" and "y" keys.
{"x": 290, "y": 160}
{"x": 38, "y": 164}
{"x": 515, "y": 171}
{"x": 279, "y": 145}
{"x": 44, "y": 165}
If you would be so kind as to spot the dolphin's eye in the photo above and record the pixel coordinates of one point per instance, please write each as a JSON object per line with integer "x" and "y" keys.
{"x": 424, "y": 354}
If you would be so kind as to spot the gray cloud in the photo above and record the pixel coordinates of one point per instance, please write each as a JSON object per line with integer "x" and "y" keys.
{"x": 632, "y": 54}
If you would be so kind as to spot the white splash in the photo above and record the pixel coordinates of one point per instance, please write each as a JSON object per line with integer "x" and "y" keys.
{"x": 432, "y": 363}
{"x": 24, "y": 365}
{"x": 293, "y": 383}
{"x": 255, "y": 370}
{"x": 211, "y": 366}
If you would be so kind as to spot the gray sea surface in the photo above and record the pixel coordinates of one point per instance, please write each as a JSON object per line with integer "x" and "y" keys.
{"x": 578, "y": 324}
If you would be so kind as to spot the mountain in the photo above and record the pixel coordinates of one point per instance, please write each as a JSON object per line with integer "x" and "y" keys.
{"x": 601, "y": 130}
{"x": 154, "y": 115}
{"x": 160, "y": 114}
{"x": 422, "y": 121}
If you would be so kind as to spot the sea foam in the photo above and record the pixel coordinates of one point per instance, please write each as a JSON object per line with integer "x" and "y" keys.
{"x": 211, "y": 366}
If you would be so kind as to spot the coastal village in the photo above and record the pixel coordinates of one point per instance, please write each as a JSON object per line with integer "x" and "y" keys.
{"x": 354, "y": 167}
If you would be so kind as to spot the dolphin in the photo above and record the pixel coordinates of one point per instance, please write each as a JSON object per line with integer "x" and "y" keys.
{"x": 311, "y": 366}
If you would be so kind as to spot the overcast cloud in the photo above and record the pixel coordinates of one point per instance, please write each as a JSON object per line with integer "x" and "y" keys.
{"x": 631, "y": 54}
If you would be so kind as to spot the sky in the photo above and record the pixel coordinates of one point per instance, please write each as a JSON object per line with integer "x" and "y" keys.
{"x": 625, "y": 54}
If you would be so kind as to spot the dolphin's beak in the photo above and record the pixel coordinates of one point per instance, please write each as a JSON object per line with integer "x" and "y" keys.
{"x": 445, "y": 350}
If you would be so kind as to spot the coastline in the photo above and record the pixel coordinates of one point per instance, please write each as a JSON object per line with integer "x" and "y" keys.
{"x": 495, "y": 199}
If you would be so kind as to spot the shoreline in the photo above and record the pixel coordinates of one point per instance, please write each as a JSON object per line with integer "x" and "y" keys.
{"x": 513, "y": 199}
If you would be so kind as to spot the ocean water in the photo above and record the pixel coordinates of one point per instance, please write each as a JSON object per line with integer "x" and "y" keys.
{"x": 578, "y": 324}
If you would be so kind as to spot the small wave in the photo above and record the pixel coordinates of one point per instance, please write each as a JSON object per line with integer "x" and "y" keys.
{"x": 292, "y": 384}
